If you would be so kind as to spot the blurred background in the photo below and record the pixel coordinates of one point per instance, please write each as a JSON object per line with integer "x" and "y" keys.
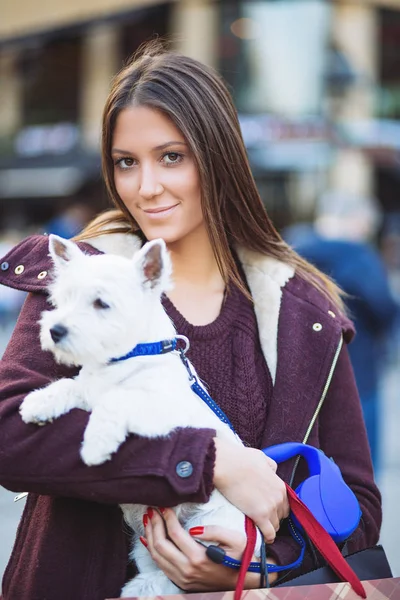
{"x": 317, "y": 87}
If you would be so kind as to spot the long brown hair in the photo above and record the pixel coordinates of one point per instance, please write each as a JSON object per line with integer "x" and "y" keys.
{"x": 198, "y": 102}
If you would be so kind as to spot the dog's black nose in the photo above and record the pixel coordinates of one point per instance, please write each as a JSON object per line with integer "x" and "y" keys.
{"x": 58, "y": 332}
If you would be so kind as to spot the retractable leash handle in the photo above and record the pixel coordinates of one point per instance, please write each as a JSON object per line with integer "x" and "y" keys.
{"x": 324, "y": 492}
{"x": 323, "y": 505}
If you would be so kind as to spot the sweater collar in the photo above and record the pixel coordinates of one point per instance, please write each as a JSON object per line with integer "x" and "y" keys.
{"x": 266, "y": 278}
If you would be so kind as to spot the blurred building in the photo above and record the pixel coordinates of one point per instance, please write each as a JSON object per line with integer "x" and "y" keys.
{"x": 316, "y": 83}
{"x": 56, "y": 64}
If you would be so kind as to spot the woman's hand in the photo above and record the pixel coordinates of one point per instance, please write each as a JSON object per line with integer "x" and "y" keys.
{"x": 247, "y": 478}
{"x": 184, "y": 560}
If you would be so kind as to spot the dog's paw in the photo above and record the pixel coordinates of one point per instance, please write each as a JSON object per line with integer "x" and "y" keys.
{"x": 92, "y": 454}
{"x": 36, "y": 408}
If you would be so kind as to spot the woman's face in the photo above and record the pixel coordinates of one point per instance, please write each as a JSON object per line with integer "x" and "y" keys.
{"x": 155, "y": 175}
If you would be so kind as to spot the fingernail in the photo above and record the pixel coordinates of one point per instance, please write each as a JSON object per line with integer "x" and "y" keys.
{"x": 144, "y": 541}
{"x": 145, "y": 519}
{"x": 150, "y": 512}
{"x": 162, "y": 510}
{"x": 196, "y": 530}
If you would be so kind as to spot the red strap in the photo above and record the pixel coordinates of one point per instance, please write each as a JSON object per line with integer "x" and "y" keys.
{"x": 251, "y": 533}
{"x": 317, "y": 534}
{"x": 323, "y": 542}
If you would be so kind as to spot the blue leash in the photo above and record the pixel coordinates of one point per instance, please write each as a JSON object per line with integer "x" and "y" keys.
{"x": 215, "y": 553}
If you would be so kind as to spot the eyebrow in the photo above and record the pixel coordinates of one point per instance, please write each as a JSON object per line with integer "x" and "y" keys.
{"x": 155, "y": 149}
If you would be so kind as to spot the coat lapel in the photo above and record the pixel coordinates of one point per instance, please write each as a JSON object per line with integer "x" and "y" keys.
{"x": 308, "y": 340}
{"x": 299, "y": 336}
{"x": 266, "y": 277}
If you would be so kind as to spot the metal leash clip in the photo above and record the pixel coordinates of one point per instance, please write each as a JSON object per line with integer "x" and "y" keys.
{"x": 182, "y": 354}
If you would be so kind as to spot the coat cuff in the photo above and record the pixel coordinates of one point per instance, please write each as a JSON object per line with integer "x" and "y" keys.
{"x": 192, "y": 466}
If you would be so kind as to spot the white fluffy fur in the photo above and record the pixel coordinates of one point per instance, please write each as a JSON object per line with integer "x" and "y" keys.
{"x": 148, "y": 395}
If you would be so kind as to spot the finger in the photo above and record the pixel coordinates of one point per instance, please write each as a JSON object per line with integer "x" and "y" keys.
{"x": 272, "y": 463}
{"x": 269, "y": 533}
{"x": 162, "y": 549}
{"x": 285, "y": 509}
{"x": 181, "y": 538}
{"x": 228, "y": 538}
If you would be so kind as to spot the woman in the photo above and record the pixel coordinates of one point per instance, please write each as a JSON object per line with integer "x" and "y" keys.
{"x": 266, "y": 333}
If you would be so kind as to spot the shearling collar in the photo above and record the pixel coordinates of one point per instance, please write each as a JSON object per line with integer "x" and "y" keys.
{"x": 265, "y": 276}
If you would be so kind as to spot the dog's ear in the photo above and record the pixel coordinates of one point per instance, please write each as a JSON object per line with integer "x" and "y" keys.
{"x": 61, "y": 250}
{"x": 154, "y": 265}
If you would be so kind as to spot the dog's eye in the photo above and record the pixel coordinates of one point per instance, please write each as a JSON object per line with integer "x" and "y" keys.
{"x": 100, "y": 304}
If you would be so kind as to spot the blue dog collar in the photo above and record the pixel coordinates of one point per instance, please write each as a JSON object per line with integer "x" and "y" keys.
{"x": 153, "y": 348}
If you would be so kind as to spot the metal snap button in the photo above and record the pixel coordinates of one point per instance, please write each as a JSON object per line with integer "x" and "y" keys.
{"x": 4, "y": 266}
{"x": 20, "y": 269}
{"x": 42, "y": 275}
{"x": 331, "y": 313}
{"x": 317, "y": 326}
{"x": 184, "y": 469}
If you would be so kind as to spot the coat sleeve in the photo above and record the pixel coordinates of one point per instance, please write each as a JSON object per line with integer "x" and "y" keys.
{"x": 340, "y": 433}
{"x": 45, "y": 460}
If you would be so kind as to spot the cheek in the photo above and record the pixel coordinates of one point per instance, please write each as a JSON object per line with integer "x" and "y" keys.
{"x": 125, "y": 186}
{"x": 191, "y": 192}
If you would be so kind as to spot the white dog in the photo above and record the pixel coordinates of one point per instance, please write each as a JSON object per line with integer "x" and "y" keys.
{"x": 104, "y": 305}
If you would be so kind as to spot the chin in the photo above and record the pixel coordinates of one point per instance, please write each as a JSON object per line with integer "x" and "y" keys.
{"x": 168, "y": 236}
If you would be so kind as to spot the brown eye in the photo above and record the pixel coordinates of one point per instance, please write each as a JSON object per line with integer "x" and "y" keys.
{"x": 100, "y": 304}
{"x": 172, "y": 158}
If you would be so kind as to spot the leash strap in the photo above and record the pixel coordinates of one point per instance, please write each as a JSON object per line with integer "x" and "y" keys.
{"x": 255, "y": 567}
{"x": 323, "y": 542}
{"x": 196, "y": 387}
{"x": 251, "y": 533}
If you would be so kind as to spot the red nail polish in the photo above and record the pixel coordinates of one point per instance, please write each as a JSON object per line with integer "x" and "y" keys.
{"x": 145, "y": 520}
{"x": 150, "y": 512}
{"x": 196, "y": 530}
{"x": 144, "y": 541}
{"x": 162, "y": 510}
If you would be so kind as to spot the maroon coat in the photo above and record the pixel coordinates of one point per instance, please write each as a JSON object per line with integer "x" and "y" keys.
{"x": 71, "y": 542}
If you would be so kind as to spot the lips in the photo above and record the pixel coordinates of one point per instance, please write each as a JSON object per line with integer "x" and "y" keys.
{"x": 160, "y": 209}
{"x": 160, "y": 212}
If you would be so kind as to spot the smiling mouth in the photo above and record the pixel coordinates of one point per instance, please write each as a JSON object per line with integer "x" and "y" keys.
{"x": 161, "y": 211}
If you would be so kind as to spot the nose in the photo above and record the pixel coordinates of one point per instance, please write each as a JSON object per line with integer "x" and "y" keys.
{"x": 58, "y": 332}
{"x": 150, "y": 185}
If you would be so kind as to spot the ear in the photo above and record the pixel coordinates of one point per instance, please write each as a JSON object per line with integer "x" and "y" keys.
{"x": 154, "y": 265}
{"x": 62, "y": 251}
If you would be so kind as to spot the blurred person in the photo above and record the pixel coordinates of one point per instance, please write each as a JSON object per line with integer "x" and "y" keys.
{"x": 265, "y": 330}
{"x": 70, "y": 220}
{"x": 339, "y": 243}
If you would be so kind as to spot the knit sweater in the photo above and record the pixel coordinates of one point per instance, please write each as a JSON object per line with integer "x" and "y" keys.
{"x": 228, "y": 358}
